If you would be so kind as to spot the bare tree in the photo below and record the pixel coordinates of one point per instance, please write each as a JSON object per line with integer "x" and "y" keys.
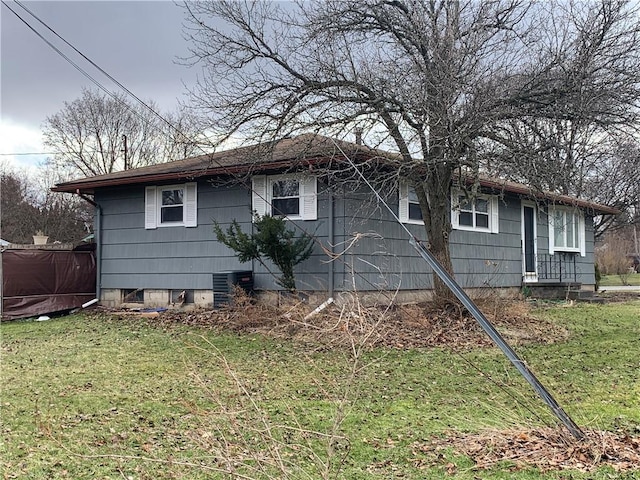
{"x": 28, "y": 206}
{"x": 614, "y": 179}
{"x": 18, "y": 215}
{"x": 614, "y": 255}
{"x": 97, "y": 134}
{"x": 444, "y": 82}
{"x": 585, "y": 161}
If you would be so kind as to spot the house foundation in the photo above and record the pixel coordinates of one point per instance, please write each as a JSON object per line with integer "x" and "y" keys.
{"x": 155, "y": 298}
{"x": 208, "y": 300}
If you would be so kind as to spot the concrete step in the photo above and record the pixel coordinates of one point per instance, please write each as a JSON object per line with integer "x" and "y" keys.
{"x": 586, "y": 296}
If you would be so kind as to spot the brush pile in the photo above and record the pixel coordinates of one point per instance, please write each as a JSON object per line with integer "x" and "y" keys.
{"x": 401, "y": 327}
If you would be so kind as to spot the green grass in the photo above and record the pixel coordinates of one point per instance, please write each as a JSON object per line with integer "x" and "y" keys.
{"x": 93, "y": 398}
{"x": 615, "y": 280}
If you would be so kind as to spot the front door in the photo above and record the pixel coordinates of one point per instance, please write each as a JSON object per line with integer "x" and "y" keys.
{"x": 529, "y": 244}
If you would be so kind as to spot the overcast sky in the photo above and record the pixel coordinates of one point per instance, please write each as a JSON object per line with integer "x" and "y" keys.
{"x": 138, "y": 43}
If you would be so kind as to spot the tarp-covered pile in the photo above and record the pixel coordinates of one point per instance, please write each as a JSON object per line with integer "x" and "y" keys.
{"x": 35, "y": 282}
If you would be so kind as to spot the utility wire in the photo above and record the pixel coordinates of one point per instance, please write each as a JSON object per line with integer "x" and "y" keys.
{"x": 101, "y": 70}
{"x": 57, "y": 50}
{"x": 81, "y": 70}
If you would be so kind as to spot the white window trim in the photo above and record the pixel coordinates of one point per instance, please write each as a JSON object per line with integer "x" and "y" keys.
{"x": 153, "y": 202}
{"x": 529, "y": 277}
{"x": 581, "y": 248}
{"x": 494, "y": 214}
{"x": 403, "y": 205}
{"x": 262, "y": 188}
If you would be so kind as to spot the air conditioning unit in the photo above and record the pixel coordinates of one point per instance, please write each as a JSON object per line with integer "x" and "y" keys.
{"x": 225, "y": 282}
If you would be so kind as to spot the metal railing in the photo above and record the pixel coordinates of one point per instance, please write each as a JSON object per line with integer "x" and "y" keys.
{"x": 560, "y": 266}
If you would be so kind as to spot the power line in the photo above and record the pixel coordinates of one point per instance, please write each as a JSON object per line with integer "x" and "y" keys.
{"x": 100, "y": 69}
{"x": 95, "y": 65}
{"x": 31, "y": 153}
{"x": 57, "y": 50}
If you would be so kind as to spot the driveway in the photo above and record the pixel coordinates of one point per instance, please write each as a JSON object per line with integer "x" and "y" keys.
{"x": 625, "y": 288}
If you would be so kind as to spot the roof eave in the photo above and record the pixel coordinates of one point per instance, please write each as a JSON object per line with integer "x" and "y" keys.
{"x": 590, "y": 207}
{"x": 89, "y": 186}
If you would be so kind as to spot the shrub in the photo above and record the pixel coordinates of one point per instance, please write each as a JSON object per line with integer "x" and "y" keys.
{"x": 271, "y": 240}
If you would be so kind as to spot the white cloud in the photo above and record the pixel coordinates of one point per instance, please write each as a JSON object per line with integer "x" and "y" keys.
{"x": 21, "y": 139}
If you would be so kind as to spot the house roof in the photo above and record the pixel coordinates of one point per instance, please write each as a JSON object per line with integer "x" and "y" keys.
{"x": 303, "y": 150}
{"x": 528, "y": 192}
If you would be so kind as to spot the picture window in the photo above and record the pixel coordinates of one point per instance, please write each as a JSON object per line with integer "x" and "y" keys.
{"x": 567, "y": 231}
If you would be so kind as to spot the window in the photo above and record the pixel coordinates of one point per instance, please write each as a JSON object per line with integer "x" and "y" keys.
{"x": 566, "y": 230}
{"x": 291, "y": 196}
{"x": 473, "y": 213}
{"x": 285, "y": 197}
{"x": 408, "y": 205}
{"x": 181, "y": 296}
{"x": 132, "y": 295}
{"x": 171, "y": 206}
{"x": 479, "y": 213}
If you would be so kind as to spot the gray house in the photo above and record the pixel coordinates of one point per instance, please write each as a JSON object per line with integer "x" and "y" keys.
{"x": 156, "y": 246}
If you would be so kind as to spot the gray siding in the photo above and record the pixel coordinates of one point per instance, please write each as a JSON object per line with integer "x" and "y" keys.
{"x": 483, "y": 259}
{"x": 586, "y": 264}
{"x": 185, "y": 258}
{"x": 381, "y": 257}
{"x": 166, "y": 257}
{"x": 385, "y": 256}
{"x": 312, "y": 274}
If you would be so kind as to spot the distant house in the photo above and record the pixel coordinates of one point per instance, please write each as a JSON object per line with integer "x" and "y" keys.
{"x": 154, "y": 226}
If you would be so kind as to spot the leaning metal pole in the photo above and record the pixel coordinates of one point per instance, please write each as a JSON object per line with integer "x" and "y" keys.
{"x": 488, "y": 327}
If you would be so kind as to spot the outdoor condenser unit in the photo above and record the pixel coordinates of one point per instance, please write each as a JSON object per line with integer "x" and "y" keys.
{"x": 224, "y": 283}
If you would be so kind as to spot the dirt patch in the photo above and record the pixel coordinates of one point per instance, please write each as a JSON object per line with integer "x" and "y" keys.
{"x": 408, "y": 326}
{"x": 543, "y": 448}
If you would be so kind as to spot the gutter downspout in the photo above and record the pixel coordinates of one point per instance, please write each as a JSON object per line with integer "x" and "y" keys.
{"x": 98, "y": 239}
{"x": 1, "y": 283}
{"x": 331, "y": 235}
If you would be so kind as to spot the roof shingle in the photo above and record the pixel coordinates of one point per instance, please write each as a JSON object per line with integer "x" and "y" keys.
{"x": 308, "y": 149}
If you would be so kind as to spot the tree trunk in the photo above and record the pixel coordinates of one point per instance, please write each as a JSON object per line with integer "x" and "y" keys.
{"x": 436, "y": 212}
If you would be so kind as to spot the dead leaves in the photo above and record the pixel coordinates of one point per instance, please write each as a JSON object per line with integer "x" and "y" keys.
{"x": 401, "y": 327}
{"x": 543, "y": 448}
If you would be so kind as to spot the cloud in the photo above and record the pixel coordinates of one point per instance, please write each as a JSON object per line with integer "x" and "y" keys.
{"x": 20, "y": 139}
{"x": 135, "y": 42}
